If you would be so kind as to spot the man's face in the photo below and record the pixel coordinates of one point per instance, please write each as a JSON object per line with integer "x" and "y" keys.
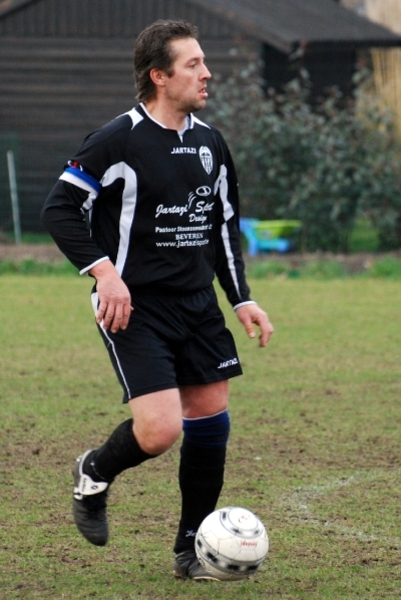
{"x": 186, "y": 87}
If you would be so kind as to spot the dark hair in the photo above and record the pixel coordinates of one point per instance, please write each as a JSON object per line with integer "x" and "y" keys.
{"x": 153, "y": 51}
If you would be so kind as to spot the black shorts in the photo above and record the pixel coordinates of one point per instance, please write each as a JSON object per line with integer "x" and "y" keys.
{"x": 172, "y": 340}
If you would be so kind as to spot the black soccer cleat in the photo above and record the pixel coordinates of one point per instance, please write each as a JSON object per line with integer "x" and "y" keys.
{"x": 89, "y": 505}
{"x": 187, "y": 566}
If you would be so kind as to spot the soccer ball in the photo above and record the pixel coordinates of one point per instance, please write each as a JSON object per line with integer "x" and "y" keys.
{"x": 231, "y": 543}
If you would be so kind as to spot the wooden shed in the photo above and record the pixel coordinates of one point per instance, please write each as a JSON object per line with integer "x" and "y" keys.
{"x": 66, "y": 67}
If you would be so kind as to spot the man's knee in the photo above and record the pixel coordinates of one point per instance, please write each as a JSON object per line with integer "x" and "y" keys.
{"x": 204, "y": 400}
{"x": 158, "y": 437}
{"x": 157, "y": 420}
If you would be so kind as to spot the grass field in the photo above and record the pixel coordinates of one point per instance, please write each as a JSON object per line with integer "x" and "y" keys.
{"x": 315, "y": 448}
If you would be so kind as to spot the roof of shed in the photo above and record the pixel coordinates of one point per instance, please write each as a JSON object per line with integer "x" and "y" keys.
{"x": 286, "y": 24}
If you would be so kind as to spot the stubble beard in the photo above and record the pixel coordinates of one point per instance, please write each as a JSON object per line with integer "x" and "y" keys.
{"x": 192, "y": 106}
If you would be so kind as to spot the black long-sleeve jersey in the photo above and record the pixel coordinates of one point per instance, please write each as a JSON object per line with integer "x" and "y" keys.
{"x": 162, "y": 206}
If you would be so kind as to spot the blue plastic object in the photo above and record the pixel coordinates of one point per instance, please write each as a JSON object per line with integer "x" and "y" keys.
{"x": 263, "y": 235}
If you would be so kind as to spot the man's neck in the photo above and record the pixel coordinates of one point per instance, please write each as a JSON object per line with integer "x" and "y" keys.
{"x": 166, "y": 116}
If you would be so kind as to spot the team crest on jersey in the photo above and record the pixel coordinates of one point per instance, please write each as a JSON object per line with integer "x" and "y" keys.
{"x": 206, "y": 158}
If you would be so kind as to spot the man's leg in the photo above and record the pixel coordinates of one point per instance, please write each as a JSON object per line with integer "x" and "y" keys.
{"x": 206, "y": 428}
{"x": 155, "y": 426}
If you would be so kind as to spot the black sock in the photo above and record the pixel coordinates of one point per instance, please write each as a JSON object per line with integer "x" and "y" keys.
{"x": 120, "y": 452}
{"x": 201, "y": 477}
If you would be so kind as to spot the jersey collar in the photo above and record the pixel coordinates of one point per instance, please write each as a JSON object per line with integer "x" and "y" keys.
{"x": 189, "y": 124}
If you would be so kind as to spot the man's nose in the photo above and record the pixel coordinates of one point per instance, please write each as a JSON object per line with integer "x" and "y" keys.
{"x": 206, "y": 73}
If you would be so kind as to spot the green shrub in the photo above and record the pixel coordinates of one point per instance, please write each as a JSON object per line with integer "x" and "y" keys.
{"x": 388, "y": 267}
{"x": 324, "y": 269}
{"x": 270, "y": 268}
{"x": 32, "y": 267}
{"x": 326, "y": 166}
{"x": 364, "y": 237}
{"x": 317, "y": 269}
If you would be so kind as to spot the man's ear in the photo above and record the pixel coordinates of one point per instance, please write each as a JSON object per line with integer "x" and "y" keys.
{"x": 158, "y": 77}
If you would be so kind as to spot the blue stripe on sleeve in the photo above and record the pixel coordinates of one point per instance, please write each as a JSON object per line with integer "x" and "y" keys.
{"x": 94, "y": 183}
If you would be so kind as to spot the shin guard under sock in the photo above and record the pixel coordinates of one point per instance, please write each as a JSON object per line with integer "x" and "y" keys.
{"x": 120, "y": 452}
{"x": 201, "y": 473}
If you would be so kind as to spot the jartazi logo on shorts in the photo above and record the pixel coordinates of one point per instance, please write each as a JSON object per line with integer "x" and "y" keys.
{"x": 228, "y": 363}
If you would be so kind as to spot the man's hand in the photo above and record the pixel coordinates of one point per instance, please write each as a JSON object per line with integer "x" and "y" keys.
{"x": 252, "y": 313}
{"x": 114, "y": 297}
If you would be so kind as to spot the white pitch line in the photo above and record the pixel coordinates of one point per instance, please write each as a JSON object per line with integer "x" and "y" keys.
{"x": 298, "y": 502}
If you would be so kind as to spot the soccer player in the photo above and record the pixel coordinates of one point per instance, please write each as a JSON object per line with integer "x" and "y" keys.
{"x": 149, "y": 208}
